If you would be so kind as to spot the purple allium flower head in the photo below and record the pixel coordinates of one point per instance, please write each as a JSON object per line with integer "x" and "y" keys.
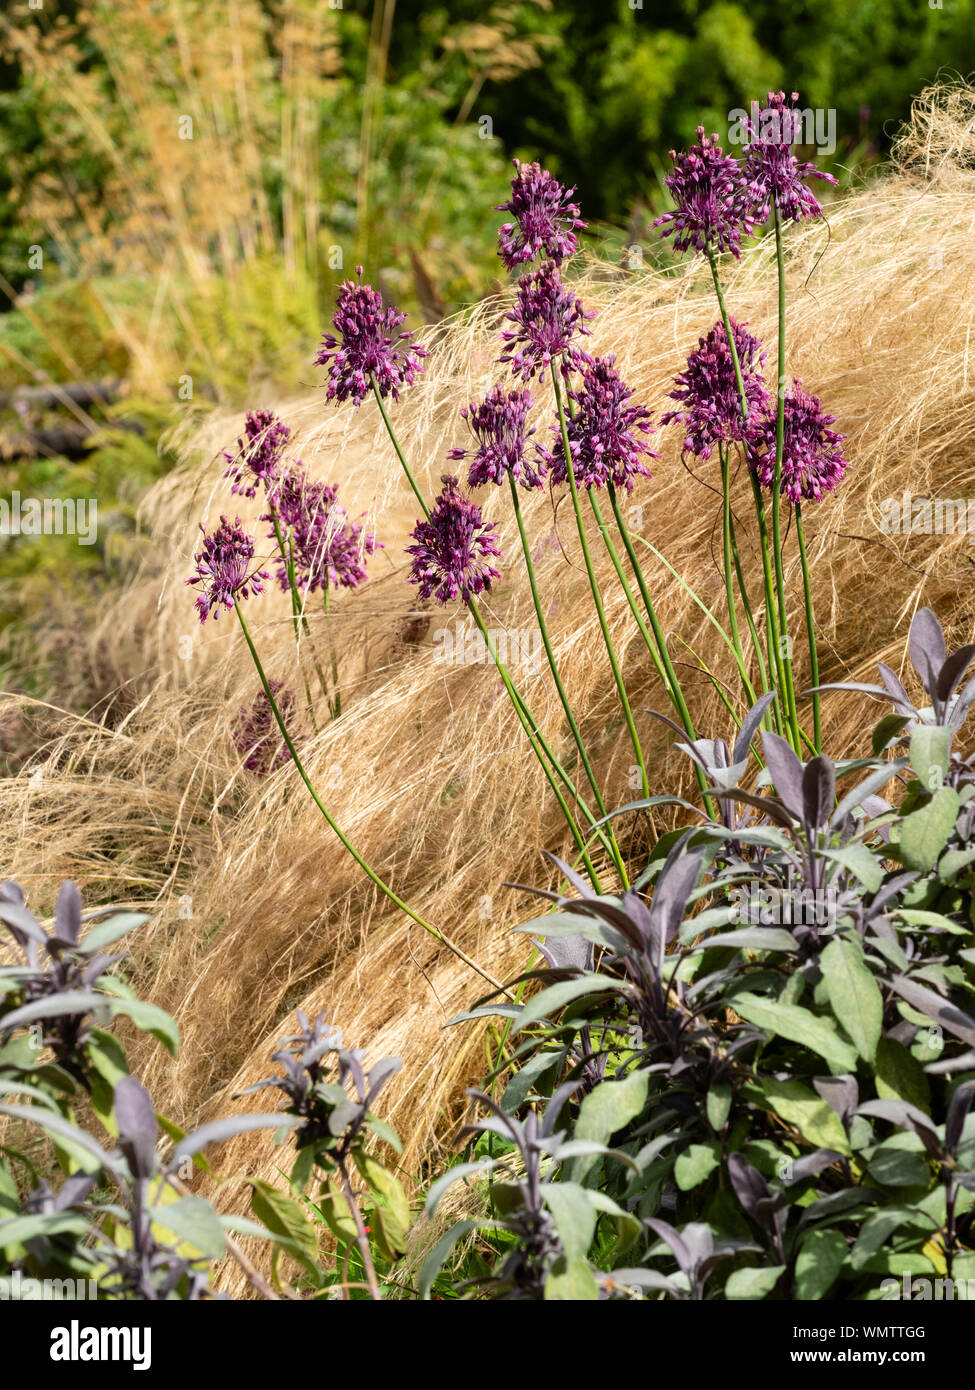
{"x": 708, "y": 391}
{"x": 452, "y": 550}
{"x": 546, "y": 223}
{"x": 256, "y": 734}
{"x": 258, "y": 452}
{"x": 546, "y": 317}
{"x": 812, "y": 459}
{"x": 705, "y": 184}
{"x": 326, "y": 547}
{"x": 366, "y": 343}
{"x": 221, "y": 568}
{"x": 602, "y": 432}
{"x": 772, "y": 174}
{"x": 498, "y": 426}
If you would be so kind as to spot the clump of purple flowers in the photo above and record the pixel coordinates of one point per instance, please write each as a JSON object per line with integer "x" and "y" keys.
{"x": 498, "y": 425}
{"x": 812, "y": 459}
{"x": 452, "y": 550}
{"x": 367, "y": 346}
{"x": 327, "y": 549}
{"x": 258, "y": 452}
{"x": 256, "y": 733}
{"x": 706, "y": 186}
{"x": 603, "y": 432}
{"x": 546, "y": 221}
{"x": 547, "y": 316}
{"x": 707, "y": 391}
{"x": 772, "y": 174}
{"x": 222, "y": 568}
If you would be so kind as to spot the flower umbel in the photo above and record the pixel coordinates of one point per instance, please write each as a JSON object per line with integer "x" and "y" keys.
{"x": 546, "y": 221}
{"x": 812, "y": 459}
{"x": 256, "y": 734}
{"x": 258, "y": 452}
{"x": 222, "y": 568}
{"x": 327, "y": 549}
{"x": 772, "y": 174}
{"x": 498, "y": 426}
{"x": 705, "y": 184}
{"x": 547, "y": 317}
{"x": 366, "y": 344}
{"x": 707, "y": 390}
{"x": 603, "y": 432}
{"x": 452, "y": 548}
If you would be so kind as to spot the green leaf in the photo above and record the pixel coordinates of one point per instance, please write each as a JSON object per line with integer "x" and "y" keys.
{"x": 925, "y": 832}
{"x": 391, "y": 1210}
{"x": 800, "y": 1026}
{"x": 887, "y": 729}
{"x": 900, "y": 1162}
{"x": 193, "y": 1220}
{"x": 150, "y": 1019}
{"x": 718, "y": 1104}
{"x": 930, "y": 754}
{"x": 695, "y": 1164}
{"x": 551, "y": 1000}
{"x": 817, "y": 1122}
{"x": 859, "y": 860}
{"x": 605, "y": 1111}
{"x": 284, "y": 1217}
{"x": 876, "y": 1231}
{"x": 574, "y": 1217}
{"x": 571, "y": 1282}
{"x": 854, "y": 995}
{"x": 436, "y": 1259}
{"x": 899, "y": 1076}
{"x": 820, "y": 1259}
{"x": 111, "y": 929}
{"x": 752, "y": 1283}
{"x": 54, "y": 1223}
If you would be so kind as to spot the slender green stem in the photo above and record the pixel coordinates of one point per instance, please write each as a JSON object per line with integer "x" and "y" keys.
{"x": 659, "y": 650}
{"x": 396, "y": 445}
{"x": 746, "y": 604}
{"x": 530, "y": 725}
{"x": 810, "y": 630}
{"x": 334, "y": 705}
{"x": 553, "y": 667}
{"x": 777, "y": 494}
{"x": 345, "y": 842}
{"x": 597, "y": 598}
{"x": 533, "y": 733}
{"x": 771, "y": 613}
{"x": 728, "y": 565}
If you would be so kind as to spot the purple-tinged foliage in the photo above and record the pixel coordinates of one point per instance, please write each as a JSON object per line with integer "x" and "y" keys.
{"x": 499, "y": 427}
{"x": 706, "y": 186}
{"x": 547, "y": 317}
{"x": 366, "y": 346}
{"x": 812, "y": 457}
{"x": 223, "y": 568}
{"x": 773, "y": 176}
{"x": 256, "y": 734}
{"x": 604, "y": 432}
{"x": 545, "y": 223}
{"x": 453, "y": 548}
{"x": 258, "y": 453}
{"x": 707, "y": 391}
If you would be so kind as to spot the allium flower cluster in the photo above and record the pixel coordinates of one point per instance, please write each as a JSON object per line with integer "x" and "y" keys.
{"x": 256, "y": 734}
{"x": 258, "y": 452}
{"x": 773, "y": 177}
{"x": 547, "y": 316}
{"x": 708, "y": 392}
{"x": 366, "y": 345}
{"x": 498, "y": 425}
{"x": 327, "y": 549}
{"x": 222, "y": 568}
{"x": 603, "y": 432}
{"x": 812, "y": 459}
{"x": 546, "y": 221}
{"x": 706, "y": 186}
{"x": 452, "y": 550}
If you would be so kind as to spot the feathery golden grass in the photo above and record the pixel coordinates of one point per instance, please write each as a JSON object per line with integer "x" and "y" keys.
{"x": 256, "y": 907}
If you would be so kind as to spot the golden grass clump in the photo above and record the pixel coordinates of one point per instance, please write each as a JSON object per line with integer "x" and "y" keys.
{"x": 256, "y": 908}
